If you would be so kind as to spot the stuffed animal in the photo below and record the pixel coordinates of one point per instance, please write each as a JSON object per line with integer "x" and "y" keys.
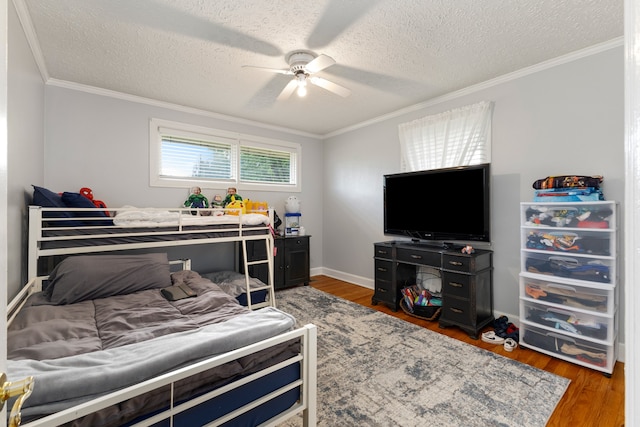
{"x": 88, "y": 193}
{"x": 232, "y": 195}
{"x": 292, "y": 205}
{"x": 236, "y": 204}
{"x": 217, "y": 205}
{"x": 216, "y": 201}
{"x": 196, "y": 200}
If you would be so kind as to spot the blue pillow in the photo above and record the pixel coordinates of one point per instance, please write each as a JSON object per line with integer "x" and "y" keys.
{"x": 77, "y": 200}
{"x": 48, "y": 199}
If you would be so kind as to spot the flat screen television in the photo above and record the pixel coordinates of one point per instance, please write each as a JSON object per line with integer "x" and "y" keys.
{"x": 443, "y": 205}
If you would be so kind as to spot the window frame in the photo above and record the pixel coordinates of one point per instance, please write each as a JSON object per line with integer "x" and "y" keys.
{"x": 236, "y": 139}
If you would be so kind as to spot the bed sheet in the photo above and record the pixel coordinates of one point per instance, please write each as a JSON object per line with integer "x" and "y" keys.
{"x": 45, "y": 331}
{"x": 131, "y": 217}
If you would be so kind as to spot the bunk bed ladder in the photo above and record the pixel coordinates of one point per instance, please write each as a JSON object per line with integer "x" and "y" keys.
{"x": 271, "y": 296}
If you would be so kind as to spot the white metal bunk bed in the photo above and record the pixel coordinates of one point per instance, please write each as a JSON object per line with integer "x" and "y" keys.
{"x": 53, "y": 236}
{"x": 52, "y": 232}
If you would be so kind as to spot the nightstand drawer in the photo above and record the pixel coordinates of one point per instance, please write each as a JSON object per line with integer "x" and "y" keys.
{"x": 411, "y": 256}
{"x": 297, "y": 243}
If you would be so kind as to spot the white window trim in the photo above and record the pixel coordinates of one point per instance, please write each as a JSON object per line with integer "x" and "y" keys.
{"x": 155, "y": 180}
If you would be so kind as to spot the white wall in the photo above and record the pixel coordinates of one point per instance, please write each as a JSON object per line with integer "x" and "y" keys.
{"x": 102, "y": 142}
{"x": 568, "y": 119}
{"x": 25, "y": 125}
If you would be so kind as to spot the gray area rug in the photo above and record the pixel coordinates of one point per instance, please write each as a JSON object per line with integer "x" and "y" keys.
{"x": 377, "y": 370}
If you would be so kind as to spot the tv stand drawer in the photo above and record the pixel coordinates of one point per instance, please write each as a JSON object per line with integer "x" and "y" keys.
{"x": 418, "y": 256}
{"x": 384, "y": 251}
{"x": 463, "y": 263}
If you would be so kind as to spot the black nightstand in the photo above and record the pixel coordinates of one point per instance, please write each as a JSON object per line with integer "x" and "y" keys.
{"x": 290, "y": 263}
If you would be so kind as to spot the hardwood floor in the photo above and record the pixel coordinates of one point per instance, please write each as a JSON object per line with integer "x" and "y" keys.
{"x": 591, "y": 399}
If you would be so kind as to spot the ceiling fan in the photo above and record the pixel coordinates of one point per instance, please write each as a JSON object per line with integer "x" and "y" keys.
{"x": 303, "y": 64}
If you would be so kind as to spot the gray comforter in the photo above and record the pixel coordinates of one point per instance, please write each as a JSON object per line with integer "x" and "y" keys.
{"x": 80, "y": 351}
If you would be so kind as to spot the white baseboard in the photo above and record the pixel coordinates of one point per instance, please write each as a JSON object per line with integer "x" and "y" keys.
{"x": 351, "y": 278}
{"x": 369, "y": 283}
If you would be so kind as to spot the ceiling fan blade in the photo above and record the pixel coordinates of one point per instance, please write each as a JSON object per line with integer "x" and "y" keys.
{"x": 319, "y": 63}
{"x": 330, "y": 86}
{"x": 271, "y": 70}
{"x": 288, "y": 90}
{"x": 337, "y": 17}
{"x": 174, "y": 20}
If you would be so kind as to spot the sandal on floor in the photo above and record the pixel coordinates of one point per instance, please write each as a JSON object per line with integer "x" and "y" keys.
{"x": 492, "y": 338}
{"x": 510, "y": 344}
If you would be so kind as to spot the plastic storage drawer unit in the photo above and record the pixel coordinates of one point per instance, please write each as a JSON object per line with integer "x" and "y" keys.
{"x": 569, "y": 242}
{"x": 581, "y": 215}
{"x": 586, "y": 353}
{"x": 601, "y": 270}
{"x": 568, "y": 294}
{"x": 572, "y": 322}
{"x": 568, "y": 281}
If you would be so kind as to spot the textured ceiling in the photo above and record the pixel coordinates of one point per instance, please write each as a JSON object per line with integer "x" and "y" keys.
{"x": 391, "y": 53}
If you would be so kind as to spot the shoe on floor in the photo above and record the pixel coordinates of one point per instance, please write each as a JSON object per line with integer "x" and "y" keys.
{"x": 510, "y": 344}
{"x": 492, "y": 338}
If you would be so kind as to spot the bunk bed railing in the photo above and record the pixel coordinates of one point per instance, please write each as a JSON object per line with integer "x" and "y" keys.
{"x": 306, "y": 405}
{"x": 71, "y": 236}
{"x": 51, "y": 233}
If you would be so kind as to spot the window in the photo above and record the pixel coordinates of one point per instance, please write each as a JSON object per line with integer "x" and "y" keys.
{"x": 454, "y": 138}
{"x": 185, "y": 155}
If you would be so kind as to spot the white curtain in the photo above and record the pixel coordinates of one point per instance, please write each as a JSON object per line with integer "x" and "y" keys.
{"x": 457, "y": 137}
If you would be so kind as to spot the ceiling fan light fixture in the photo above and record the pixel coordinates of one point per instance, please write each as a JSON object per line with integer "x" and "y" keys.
{"x": 301, "y": 80}
{"x": 303, "y": 64}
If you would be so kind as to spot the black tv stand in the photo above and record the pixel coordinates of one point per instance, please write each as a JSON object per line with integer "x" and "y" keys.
{"x": 467, "y": 299}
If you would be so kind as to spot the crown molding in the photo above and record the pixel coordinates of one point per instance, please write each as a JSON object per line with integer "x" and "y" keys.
{"x": 25, "y": 20}
{"x": 32, "y": 39}
{"x": 175, "y": 107}
{"x": 573, "y": 56}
